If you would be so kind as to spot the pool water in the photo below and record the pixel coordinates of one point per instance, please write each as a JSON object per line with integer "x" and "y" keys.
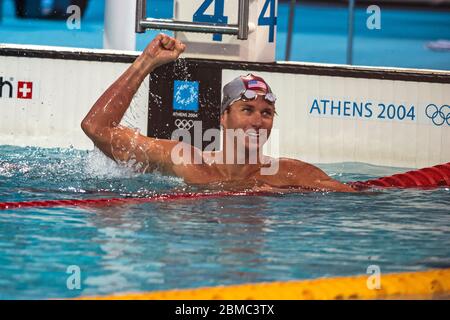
{"x": 203, "y": 242}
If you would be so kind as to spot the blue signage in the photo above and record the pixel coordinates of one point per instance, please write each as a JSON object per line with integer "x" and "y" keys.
{"x": 366, "y": 109}
{"x": 185, "y": 95}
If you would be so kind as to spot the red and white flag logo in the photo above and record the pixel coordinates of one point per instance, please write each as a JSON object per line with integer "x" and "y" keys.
{"x": 25, "y": 90}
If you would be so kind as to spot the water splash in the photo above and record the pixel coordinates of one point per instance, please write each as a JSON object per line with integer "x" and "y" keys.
{"x": 180, "y": 68}
{"x": 36, "y": 173}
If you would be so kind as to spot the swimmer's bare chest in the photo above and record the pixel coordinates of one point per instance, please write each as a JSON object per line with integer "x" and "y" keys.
{"x": 211, "y": 176}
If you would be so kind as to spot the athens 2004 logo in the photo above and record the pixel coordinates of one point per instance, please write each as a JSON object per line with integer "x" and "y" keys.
{"x": 11, "y": 88}
{"x": 439, "y": 115}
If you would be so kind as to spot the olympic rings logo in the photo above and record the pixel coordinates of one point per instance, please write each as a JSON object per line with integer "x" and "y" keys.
{"x": 184, "y": 124}
{"x": 439, "y": 116}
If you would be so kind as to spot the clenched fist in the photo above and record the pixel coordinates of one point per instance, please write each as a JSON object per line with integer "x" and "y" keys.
{"x": 163, "y": 49}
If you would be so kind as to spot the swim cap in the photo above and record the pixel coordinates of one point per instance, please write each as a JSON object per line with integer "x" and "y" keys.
{"x": 234, "y": 89}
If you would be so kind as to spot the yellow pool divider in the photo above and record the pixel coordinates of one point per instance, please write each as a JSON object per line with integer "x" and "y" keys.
{"x": 424, "y": 285}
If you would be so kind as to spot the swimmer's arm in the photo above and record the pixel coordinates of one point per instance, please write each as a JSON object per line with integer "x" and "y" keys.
{"x": 144, "y": 154}
{"x": 111, "y": 106}
{"x": 101, "y": 124}
{"x": 311, "y": 176}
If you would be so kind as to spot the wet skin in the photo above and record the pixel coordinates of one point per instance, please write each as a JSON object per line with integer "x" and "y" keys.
{"x": 126, "y": 145}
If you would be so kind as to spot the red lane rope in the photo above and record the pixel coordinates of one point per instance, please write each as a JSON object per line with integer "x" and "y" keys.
{"x": 431, "y": 177}
{"x": 117, "y": 201}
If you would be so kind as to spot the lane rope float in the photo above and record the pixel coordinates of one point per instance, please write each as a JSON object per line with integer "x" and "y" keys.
{"x": 128, "y": 200}
{"x": 431, "y": 177}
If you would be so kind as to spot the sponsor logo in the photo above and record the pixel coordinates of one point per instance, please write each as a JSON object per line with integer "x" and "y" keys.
{"x": 185, "y": 95}
{"x": 9, "y": 88}
{"x": 25, "y": 90}
{"x": 439, "y": 115}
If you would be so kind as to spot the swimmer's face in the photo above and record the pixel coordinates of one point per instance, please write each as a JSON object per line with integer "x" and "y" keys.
{"x": 254, "y": 117}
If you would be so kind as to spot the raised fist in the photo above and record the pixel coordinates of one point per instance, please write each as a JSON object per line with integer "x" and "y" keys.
{"x": 163, "y": 49}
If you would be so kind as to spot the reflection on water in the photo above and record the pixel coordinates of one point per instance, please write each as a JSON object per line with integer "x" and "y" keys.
{"x": 203, "y": 242}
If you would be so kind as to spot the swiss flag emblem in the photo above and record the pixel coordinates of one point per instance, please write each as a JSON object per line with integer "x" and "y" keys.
{"x": 25, "y": 90}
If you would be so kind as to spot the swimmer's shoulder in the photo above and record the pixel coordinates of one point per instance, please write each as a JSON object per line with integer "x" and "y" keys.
{"x": 289, "y": 163}
{"x": 294, "y": 169}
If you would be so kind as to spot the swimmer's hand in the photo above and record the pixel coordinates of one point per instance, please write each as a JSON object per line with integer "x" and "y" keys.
{"x": 163, "y": 49}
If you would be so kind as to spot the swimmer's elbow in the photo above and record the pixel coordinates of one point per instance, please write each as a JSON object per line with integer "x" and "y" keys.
{"x": 93, "y": 131}
{"x": 87, "y": 128}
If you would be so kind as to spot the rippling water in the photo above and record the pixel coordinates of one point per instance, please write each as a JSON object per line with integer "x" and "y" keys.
{"x": 204, "y": 242}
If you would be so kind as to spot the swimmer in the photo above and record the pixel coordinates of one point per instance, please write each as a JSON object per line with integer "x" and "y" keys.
{"x": 248, "y": 106}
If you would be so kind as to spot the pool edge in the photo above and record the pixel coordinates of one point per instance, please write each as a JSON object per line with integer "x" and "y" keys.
{"x": 430, "y": 284}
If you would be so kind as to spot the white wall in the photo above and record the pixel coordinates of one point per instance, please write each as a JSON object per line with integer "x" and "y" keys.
{"x": 64, "y": 91}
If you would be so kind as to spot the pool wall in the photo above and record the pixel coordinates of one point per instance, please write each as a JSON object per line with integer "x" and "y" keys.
{"x": 326, "y": 113}
{"x": 64, "y": 84}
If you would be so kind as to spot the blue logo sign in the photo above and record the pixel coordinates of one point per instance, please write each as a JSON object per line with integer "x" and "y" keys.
{"x": 439, "y": 115}
{"x": 185, "y": 95}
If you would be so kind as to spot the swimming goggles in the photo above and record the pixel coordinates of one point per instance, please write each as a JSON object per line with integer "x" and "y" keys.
{"x": 252, "y": 95}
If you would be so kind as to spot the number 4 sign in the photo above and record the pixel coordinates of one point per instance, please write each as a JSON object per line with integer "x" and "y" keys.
{"x": 271, "y": 20}
{"x": 262, "y": 33}
{"x": 219, "y": 17}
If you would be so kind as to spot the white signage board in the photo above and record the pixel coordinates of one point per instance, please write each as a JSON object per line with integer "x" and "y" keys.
{"x": 43, "y": 101}
{"x": 260, "y": 45}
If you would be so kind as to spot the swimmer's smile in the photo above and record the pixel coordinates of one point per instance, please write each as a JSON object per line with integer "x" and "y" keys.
{"x": 248, "y": 105}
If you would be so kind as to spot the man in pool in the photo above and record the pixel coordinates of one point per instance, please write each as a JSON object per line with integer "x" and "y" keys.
{"x": 248, "y": 107}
